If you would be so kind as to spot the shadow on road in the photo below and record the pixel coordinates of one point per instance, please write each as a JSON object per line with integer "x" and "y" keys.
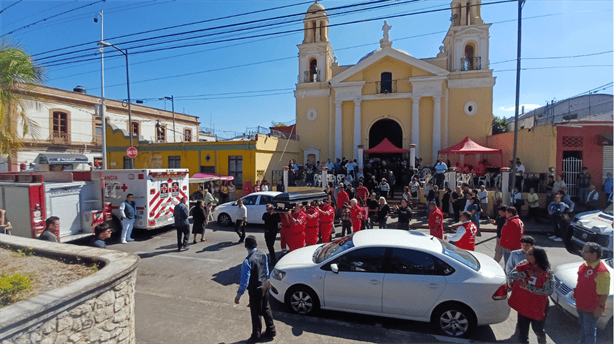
{"x": 157, "y": 253}
{"x": 229, "y": 276}
{"x": 217, "y": 247}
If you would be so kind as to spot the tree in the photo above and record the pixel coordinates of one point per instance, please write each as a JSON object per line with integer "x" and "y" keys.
{"x": 18, "y": 73}
{"x": 499, "y": 125}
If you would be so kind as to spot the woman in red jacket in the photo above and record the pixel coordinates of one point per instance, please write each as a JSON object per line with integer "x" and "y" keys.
{"x": 533, "y": 282}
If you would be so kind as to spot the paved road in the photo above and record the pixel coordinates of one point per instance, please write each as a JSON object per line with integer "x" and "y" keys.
{"x": 187, "y": 297}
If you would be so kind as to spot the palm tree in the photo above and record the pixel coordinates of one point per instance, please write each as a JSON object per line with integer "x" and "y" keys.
{"x": 18, "y": 73}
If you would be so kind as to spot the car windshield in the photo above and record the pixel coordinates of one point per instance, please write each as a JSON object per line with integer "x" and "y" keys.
{"x": 333, "y": 248}
{"x": 608, "y": 210}
{"x": 460, "y": 255}
{"x": 609, "y": 262}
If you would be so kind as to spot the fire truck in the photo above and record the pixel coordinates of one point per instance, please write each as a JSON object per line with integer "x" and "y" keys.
{"x": 83, "y": 199}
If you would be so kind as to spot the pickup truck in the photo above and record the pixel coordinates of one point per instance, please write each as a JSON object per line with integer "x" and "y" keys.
{"x": 594, "y": 226}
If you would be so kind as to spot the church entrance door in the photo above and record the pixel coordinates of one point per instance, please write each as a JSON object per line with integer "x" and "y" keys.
{"x": 386, "y": 129}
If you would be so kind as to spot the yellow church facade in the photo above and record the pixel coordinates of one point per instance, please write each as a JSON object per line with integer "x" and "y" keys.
{"x": 432, "y": 103}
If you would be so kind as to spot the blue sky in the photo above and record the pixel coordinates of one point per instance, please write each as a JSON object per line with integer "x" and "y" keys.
{"x": 238, "y": 88}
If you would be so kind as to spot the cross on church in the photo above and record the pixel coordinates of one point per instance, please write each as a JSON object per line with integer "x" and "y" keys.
{"x": 124, "y": 188}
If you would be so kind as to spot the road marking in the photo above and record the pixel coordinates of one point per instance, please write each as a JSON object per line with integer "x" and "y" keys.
{"x": 182, "y": 257}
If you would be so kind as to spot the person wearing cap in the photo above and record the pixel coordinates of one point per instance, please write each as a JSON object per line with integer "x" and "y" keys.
{"x": 312, "y": 229}
{"x": 327, "y": 216}
{"x": 435, "y": 220}
{"x": 255, "y": 278}
{"x": 465, "y": 234}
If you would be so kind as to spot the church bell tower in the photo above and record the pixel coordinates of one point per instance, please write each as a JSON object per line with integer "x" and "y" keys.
{"x": 466, "y": 43}
{"x": 315, "y": 53}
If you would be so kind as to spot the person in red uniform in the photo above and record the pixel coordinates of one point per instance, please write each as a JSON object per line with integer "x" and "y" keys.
{"x": 465, "y": 234}
{"x": 298, "y": 223}
{"x": 362, "y": 192}
{"x": 327, "y": 216}
{"x": 312, "y": 229}
{"x": 357, "y": 214}
{"x": 436, "y": 221}
{"x": 591, "y": 292}
{"x": 533, "y": 282}
{"x": 342, "y": 198}
{"x": 283, "y": 232}
{"x": 511, "y": 233}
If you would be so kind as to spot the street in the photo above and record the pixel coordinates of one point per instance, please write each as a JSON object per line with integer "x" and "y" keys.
{"x": 187, "y": 297}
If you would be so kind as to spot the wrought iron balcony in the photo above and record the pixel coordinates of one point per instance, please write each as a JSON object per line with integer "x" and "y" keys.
{"x": 60, "y": 138}
{"x": 471, "y": 63}
{"x": 386, "y": 87}
{"x": 312, "y": 77}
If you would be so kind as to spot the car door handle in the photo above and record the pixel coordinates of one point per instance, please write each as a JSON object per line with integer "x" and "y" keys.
{"x": 433, "y": 285}
{"x": 375, "y": 282}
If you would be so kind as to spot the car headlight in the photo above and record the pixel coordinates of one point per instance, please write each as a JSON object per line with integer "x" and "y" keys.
{"x": 278, "y": 274}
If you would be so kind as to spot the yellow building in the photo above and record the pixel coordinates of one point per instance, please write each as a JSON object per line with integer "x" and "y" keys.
{"x": 432, "y": 103}
{"x": 252, "y": 159}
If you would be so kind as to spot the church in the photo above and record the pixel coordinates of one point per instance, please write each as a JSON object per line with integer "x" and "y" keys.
{"x": 432, "y": 103}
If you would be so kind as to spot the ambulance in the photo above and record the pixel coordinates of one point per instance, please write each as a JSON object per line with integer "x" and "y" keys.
{"x": 156, "y": 193}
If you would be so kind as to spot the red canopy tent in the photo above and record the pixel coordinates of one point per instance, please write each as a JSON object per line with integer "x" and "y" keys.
{"x": 386, "y": 147}
{"x": 468, "y": 146}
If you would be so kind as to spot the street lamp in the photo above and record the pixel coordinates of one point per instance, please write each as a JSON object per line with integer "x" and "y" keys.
{"x": 125, "y": 53}
{"x": 102, "y": 115}
{"x": 172, "y": 99}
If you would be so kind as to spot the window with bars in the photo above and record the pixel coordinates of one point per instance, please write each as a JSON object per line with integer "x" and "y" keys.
{"x": 235, "y": 169}
{"x": 187, "y": 135}
{"x": 174, "y": 161}
{"x": 136, "y": 129}
{"x": 573, "y": 141}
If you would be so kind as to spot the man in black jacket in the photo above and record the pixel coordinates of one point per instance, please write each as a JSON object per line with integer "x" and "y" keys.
{"x": 255, "y": 278}
{"x": 272, "y": 223}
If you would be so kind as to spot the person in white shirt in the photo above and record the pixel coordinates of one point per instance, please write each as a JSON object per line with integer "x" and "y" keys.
{"x": 440, "y": 170}
{"x": 483, "y": 196}
{"x": 241, "y": 220}
{"x": 558, "y": 184}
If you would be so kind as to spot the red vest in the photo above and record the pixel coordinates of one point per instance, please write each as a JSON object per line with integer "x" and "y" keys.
{"x": 328, "y": 214}
{"x": 525, "y": 302}
{"x": 313, "y": 218}
{"x": 436, "y": 223}
{"x": 511, "y": 233}
{"x": 585, "y": 293}
{"x": 467, "y": 242}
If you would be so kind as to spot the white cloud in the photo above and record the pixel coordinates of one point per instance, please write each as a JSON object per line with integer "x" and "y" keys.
{"x": 527, "y": 107}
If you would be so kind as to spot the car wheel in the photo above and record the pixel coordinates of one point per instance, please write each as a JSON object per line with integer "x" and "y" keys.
{"x": 224, "y": 219}
{"x": 454, "y": 320}
{"x": 302, "y": 300}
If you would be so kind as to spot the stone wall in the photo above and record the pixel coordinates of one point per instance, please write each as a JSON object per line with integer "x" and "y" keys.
{"x": 96, "y": 309}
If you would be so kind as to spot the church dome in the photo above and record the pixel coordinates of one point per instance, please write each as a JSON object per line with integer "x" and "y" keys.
{"x": 316, "y": 7}
{"x": 378, "y": 49}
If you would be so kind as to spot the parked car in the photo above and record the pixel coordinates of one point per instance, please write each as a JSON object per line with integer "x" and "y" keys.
{"x": 399, "y": 274}
{"x": 565, "y": 279}
{"x": 595, "y": 226}
{"x": 255, "y": 203}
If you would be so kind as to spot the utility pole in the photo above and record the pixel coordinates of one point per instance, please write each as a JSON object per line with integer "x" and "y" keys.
{"x": 172, "y": 99}
{"x": 518, "y": 54}
{"x": 102, "y": 115}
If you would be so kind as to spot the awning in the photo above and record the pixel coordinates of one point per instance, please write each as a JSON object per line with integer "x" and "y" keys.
{"x": 203, "y": 178}
{"x": 386, "y": 147}
{"x": 468, "y": 146}
{"x": 55, "y": 159}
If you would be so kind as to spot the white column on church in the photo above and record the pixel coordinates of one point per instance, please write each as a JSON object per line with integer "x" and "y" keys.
{"x": 317, "y": 38}
{"x": 415, "y": 123}
{"x": 338, "y": 129}
{"x": 357, "y": 126}
{"x": 436, "y": 126}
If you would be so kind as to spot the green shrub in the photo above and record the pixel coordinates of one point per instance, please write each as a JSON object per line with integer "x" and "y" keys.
{"x": 11, "y": 286}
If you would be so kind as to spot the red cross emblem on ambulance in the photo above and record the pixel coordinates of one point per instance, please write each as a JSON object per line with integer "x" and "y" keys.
{"x": 175, "y": 187}
{"x": 124, "y": 188}
{"x": 164, "y": 188}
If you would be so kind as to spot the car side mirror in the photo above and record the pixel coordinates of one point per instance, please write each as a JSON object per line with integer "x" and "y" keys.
{"x": 334, "y": 268}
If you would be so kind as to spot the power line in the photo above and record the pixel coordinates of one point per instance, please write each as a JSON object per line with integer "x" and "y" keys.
{"x": 222, "y": 27}
{"x": 175, "y": 26}
{"x": 9, "y": 6}
{"x": 556, "y": 57}
{"x": 39, "y": 12}
{"x": 53, "y": 16}
{"x": 551, "y": 67}
{"x": 59, "y": 62}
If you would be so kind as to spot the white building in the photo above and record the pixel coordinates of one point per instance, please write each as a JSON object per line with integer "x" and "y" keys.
{"x": 69, "y": 123}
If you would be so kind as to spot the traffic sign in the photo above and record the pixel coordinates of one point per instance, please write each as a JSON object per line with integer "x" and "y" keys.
{"x": 132, "y": 152}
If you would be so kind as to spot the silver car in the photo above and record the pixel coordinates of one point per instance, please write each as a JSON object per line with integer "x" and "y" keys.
{"x": 565, "y": 278}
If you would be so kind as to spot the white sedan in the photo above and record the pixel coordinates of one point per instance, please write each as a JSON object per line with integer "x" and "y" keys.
{"x": 256, "y": 202}
{"x": 394, "y": 273}
{"x": 565, "y": 280}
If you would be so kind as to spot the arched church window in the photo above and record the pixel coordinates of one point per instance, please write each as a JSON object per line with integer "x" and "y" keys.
{"x": 386, "y": 82}
{"x": 470, "y": 61}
